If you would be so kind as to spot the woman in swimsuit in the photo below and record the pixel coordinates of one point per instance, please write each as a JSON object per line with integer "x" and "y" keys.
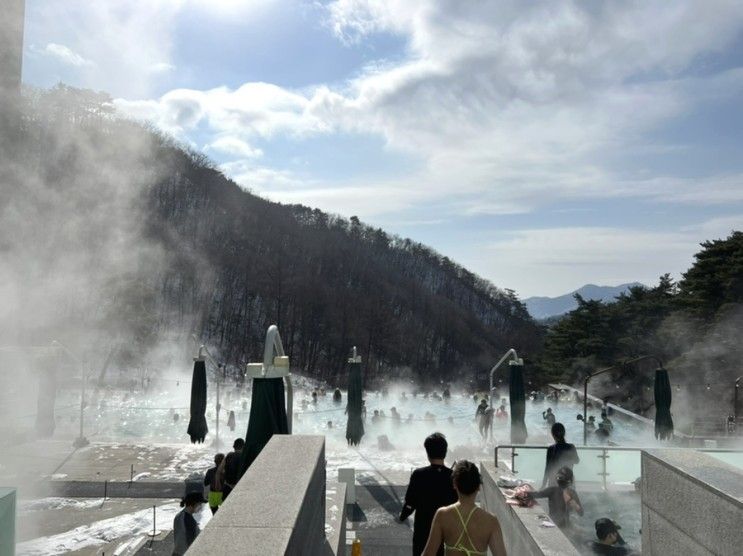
{"x": 465, "y": 529}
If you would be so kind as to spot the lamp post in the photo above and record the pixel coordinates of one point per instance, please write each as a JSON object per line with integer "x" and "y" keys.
{"x": 735, "y": 399}
{"x": 606, "y": 370}
{"x": 80, "y": 441}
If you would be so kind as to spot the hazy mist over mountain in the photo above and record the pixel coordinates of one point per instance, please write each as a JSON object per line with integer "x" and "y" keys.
{"x": 544, "y": 307}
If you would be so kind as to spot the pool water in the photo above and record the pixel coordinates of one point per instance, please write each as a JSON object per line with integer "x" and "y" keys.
{"x": 624, "y": 508}
{"x": 161, "y": 415}
{"x": 117, "y": 415}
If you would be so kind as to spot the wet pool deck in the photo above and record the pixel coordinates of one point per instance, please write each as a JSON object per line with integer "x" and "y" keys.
{"x": 54, "y": 467}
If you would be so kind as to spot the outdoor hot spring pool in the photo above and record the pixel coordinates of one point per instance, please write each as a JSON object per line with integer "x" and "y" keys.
{"x": 161, "y": 416}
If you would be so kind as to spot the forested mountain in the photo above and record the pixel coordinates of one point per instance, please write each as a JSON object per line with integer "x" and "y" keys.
{"x": 544, "y": 307}
{"x": 694, "y": 326}
{"x": 122, "y": 243}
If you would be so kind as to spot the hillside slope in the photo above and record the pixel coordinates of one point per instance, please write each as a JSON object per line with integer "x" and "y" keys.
{"x": 125, "y": 243}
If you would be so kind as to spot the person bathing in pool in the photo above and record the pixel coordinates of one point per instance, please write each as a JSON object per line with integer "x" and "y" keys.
{"x": 465, "y": 529}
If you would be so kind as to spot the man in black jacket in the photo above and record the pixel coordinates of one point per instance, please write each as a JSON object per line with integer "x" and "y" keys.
{"x": 430, "y": 488}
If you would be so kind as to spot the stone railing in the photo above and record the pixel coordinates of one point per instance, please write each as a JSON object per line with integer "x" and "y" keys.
{"x": 278, "y": 507}
{"x": 692, "y": 503}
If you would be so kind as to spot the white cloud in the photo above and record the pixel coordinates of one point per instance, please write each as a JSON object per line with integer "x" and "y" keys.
{"x": 127, "y": 45}
{"x": 235, "y": 147}
{"x": 254, "y": 109}
{"x": 124, "y": 40}
{"x": 519, "y": 104}
{"x": 65, "y": 55}
{"x": 556, "y": 260}
{"x": 161, "y": 67}
{"x": 510, "y": 105}
{"x": 260, "y": 179}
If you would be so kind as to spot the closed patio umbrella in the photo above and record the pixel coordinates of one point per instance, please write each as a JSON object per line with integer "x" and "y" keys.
{"x": 271, "y": 402}
{"x": 355, "y": 425}
{"x": 197, "y": 427}
{"x": 663, "y": 419}
{"x": 517, "y": 396}
{"x": 267, "y": 417}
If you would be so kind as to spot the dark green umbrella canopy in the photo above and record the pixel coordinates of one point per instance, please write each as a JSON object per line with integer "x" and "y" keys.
{"x": 517, "y": 396}
{"x": 354, "y": 426}
{"x": 267, "y": 417}
{"x": 197, "y": 427}
{"x": 663, "y": 419}
{"x": 45, "y": 423}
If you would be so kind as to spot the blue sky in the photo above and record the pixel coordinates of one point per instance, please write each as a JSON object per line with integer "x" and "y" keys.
{"x": 543, "y": 145}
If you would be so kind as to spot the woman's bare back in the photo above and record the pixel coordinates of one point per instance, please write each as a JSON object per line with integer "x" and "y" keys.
{"x": 483, "y": 531}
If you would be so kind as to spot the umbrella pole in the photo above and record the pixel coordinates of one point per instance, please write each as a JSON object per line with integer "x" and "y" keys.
{"x": 289, "y": 401}
{"x": 218, "y": 409}
{"x": 82, "y": 402}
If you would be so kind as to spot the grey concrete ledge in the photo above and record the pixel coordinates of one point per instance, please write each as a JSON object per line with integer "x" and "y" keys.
{"x": 113, "y": 489}
{"x": 335, "y": 518}
{"x": 278, "y": 507}
{"x": 703, "y": 470}
{"x": 692, "y": 503}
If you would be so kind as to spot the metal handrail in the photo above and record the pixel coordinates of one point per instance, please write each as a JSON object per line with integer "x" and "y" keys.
{"x": 604, "y": 455}
{"x": 611, "y": 448}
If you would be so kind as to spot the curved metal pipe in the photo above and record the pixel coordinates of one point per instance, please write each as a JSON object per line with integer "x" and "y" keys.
{"x": 273, "y": 341}
{"x": 510, "y": 352}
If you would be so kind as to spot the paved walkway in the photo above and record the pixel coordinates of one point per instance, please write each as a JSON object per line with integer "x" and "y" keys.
{"x": 374, "y": 520}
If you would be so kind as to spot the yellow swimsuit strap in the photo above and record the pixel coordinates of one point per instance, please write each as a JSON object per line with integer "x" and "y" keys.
{"x": 459, "y": 544}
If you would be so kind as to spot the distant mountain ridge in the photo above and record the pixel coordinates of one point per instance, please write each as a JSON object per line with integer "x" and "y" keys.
{"x": 545, "y": 307}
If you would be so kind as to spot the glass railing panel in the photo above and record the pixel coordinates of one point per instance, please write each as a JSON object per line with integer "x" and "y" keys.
{"x": 624, "y": 466}
{"x": 733, "y": 458}
{"x": 529, "y": 464}
{"x": 590, "y": 467}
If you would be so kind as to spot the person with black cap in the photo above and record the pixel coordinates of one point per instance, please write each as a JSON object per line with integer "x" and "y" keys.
{"x": 185, "y": 528}
{"x": 609, "y": 539}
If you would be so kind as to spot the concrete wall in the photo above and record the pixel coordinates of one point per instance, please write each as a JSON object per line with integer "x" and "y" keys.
{"x": 7, "y": 521}
{"x": 11, "y": 58}
{"x": 692, "y": 503}
{"x": 278, "y": 507}
{"x": 335, "y": 518}
{"x": 521, "y": 527}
